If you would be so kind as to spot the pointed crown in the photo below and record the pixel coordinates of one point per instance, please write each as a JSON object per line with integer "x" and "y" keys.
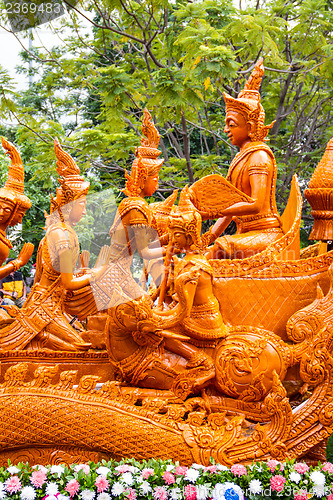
{"x": 187, "y": 218}
{"x": 14, "y": 186}
{"x": 73, "y": 185}
{"x": 248, "y": 103}
{"x": 148, "y": 153}
{"x": 322, "y": 177}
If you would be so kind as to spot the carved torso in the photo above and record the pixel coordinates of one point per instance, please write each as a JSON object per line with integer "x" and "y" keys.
{"x": 256, "y": 159}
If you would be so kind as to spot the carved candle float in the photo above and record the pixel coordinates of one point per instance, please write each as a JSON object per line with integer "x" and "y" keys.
{"x": 222, "y": 391}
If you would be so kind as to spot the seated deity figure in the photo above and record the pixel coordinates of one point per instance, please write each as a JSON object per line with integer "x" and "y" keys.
{"x": 139, "y": 336}
{"x": 41, "y": 322}
{"x": 253, "y": 171}
{"x": 13, "y": 205}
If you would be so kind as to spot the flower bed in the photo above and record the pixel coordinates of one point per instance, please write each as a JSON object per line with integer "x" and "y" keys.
{"x": 162, "y": 480}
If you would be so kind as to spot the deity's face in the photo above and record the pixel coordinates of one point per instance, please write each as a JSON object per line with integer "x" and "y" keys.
{"x": 78, "y": 210}
{"x": 150, "y": 185}
{"x": 6, "y": 210}
{"x": 178, "y": 239}
{"x": 237, "y": 129}
{"x": 18, "y": 216}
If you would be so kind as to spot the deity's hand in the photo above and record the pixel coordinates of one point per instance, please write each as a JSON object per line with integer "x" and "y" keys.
{"x": 24, "y": 255}
{"x": 97, "y": 273}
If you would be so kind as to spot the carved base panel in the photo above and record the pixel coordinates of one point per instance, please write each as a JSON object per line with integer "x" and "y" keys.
{"x": 51, "y": 455}
{"x": 85, "y": 363}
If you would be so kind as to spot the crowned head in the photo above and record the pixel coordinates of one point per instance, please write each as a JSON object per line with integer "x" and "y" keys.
{"x": 146, "y": 162}
{"x": 72, "y": 185}
{"x": 248, "y": 105}
{"x": 11, "y": 195}
{"x": 185, "y": 223}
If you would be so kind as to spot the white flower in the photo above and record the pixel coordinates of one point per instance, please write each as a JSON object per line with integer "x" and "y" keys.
{"x": 318, "y": 478}
{"x": 87, "y": 495}
{"x": 127, "y": 478}
{"x": 57, "y": 469}
{"x": 13, "y": 470}
{"x": 217, "y": 492}
{"x": 198, "y": 466}
{"x": 117, "y": 489}
{"x": 40, "y": 467}
{"x": 139, "y": 479}
{"x": 175, "y": 493}
{"x": 255, "y": 486}
{"x": 319, "y": 490}
{"x": 133, "y": 469}
{"x": 145, "y": 488}
{"x": 202, "y": 492}
{"x": 295, "y": 477}
{"x": 28, "y": 493}
{"x": 170, "y": 467}
{"x": 192, "y": 475}
{"x": 221, "y": 467}
{"x": 103, "y": 471}
{"x": 52, "y": 489}
{"x": 103, "y": 496}
{"x": 2, "y": 491}
{"x": 62, "y": 497}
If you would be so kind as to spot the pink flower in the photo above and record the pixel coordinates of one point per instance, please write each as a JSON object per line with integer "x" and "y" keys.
{"x": 168, "y": 477}
{"x": 147, "y": 472}
{"x": 272, "y": 464}
{"x": 211, "y": 468}
{"x": 301, "y": 495}
{"x": 239, "y": 470}
{"x": 160, "y": 493}
{"x": 301, "y": 467}
{"x": 13, "y": 484}
{"x": 131, "y": 494}
{"x": 329, "y": 497}
{"x": 84, "y": 467}
{"x": 277, "y": 482}
{"x": 38, "y": 478}
{"x": 190, "y": 492}
{"x": 181, "y": 471}
{"x": 328, "y": 467}
{"x": 102, "y": 484}
{"x": 72, "y": 487}
{"x": 122, "y": 468}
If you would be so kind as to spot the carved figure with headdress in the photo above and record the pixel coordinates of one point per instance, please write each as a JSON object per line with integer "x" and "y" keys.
{"x": 253, "y": 171}
{"x": 13, "y": 205}
{"x": 135, "y": 227}
{"x": 145, "y": 343}
{"x": 41, "y": 321}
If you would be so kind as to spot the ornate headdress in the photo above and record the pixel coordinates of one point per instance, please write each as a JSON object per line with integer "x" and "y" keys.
{"x": 187, "y": 218}
{"x": 148, "y": 153}
{"x": 14, "y": 187}
{"x": 73, "y": 185}
{"x": 248, "y": 104}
